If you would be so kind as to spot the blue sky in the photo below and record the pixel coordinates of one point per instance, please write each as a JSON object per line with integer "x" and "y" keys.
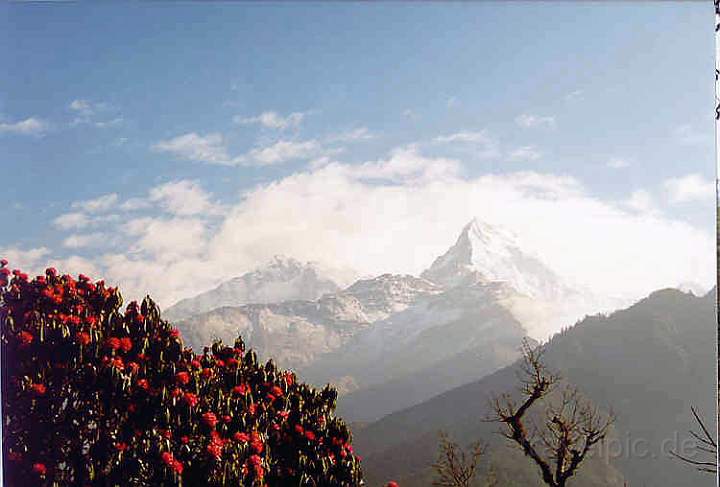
{"x": 189, "y": 121}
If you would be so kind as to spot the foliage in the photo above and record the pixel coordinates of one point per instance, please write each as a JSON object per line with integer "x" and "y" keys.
{"x": 94, "y": 395}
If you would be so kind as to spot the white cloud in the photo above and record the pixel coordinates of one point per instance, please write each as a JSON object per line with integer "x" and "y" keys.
{"x": 183, "y": 198}
{"x": 29, "y": 126}
{"x": 482, "y": 144}
{"x": 67, "y": 221}
{"x": 208, "y": 148}
{"x": 29, "y": 260}
{"x": 528, "y": 120}
{"x": 99, "y": 204}
{"x": 279, "y": 152}
{"x": 690, "y": 188}
{"x": 82, "y": 106}
{"x": 360, "y": 133}
{"x": 398, "y": 214}
{"x": 525, "y": 153}
{"x": 273, "y": 120}
{"x": 76, "y": 241}
{"x": 134, "y": 204}
{"x": 618, "y": 163}
{"x": 87, "y": 112}
{"x": 641, "y": 200}
{"x": 167, "y": 239}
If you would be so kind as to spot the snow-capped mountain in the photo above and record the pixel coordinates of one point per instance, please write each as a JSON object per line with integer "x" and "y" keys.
{"x": 282, "y": 279}
{"x": 484, "y": 253}
{"x": 295, "y": 333}
{"x": 393, "y": 340}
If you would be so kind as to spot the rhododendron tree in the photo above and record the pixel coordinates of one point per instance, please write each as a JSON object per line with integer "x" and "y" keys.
{"x": 94, "y": 394}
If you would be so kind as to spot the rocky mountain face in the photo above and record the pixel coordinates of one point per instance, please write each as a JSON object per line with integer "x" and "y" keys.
{"x": 283, "y": 279}
{"x": 394, "y": 340}
{"x": 649, "y": 363}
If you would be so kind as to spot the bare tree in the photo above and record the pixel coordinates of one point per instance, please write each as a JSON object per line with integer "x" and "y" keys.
{"x": 455, "y": 466}
{"x": 570, "y": 427}
{"x": 704, "y": 442}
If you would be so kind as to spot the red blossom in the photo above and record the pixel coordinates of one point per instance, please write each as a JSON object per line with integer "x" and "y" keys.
{"x": 210, "y": 419}
{"x": 126, "y": 344}
{"x": 40, "y": 469}
{"x": 83, "y": 338}
{"x": 26, "y": 338}
{"x": 38, "y": 389}
{"x": 191, "y": 399}
{"x": 182, "y": 377}
{"x": 112, "y": 343}
{"x": 241, "y": 437}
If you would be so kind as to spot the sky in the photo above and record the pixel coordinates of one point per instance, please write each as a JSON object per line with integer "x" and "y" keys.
{"x": 167, "y": 147}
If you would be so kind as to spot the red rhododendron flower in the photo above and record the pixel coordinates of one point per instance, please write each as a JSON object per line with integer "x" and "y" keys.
{"x": 175, "y": 333}
{"x": 276, "y": 391}
{"x": 257, "y": 445}
{"x": 112, "y": 343}
{"x": 310, "y": 435}
{"x": 40, "y": 469}
{"x": 191, "y": 399}
{"x": 126, "y": 344}
{"x": 83, "y": 338}
{"x": 26, "y": 338}
{"x": 143, "y": 384}
{"x": 242, "y": 389}
{"x": 299, "y": 429}
{"x": 182, "y": 377}
{"x": 255, "y": 460}
{"x": 241, "y": 437}
{"x": 207, "y": 373}
{"x": 38, "y": 389}
{"x": 184, "y": 440}
{"x": 121, "y": 446}
{"x": 210, "y": 419}
{"x": 196, "y": 364}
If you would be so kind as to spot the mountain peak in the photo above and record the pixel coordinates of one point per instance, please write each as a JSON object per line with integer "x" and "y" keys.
{"x": 281, "y": 279}
{"x": 488, "y": 253}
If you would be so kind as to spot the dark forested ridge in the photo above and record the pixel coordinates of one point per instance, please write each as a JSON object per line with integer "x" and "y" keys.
{"x": 649, "y": 362}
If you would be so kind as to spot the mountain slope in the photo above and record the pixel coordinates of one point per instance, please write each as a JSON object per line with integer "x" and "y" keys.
{"x": 282, "y": 279}
{"x": 439, "y": 342}
{"x": 649, "y": 362}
